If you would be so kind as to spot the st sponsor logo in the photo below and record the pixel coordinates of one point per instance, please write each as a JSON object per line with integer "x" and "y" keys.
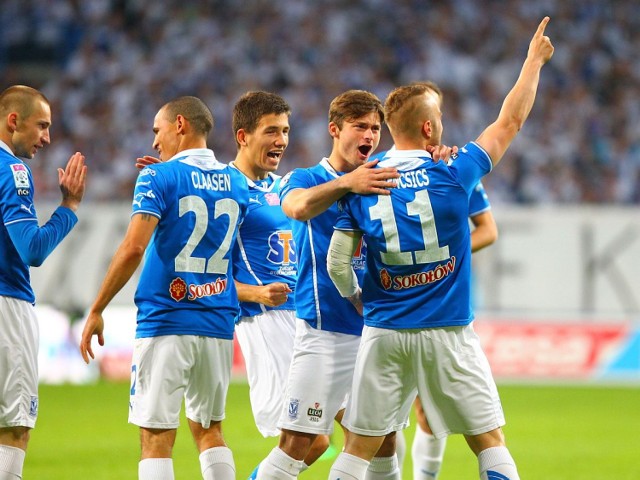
{"x": 282, "y": 248}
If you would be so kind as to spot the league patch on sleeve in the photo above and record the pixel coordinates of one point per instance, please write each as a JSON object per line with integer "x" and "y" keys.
{"x": 21, "y": 178}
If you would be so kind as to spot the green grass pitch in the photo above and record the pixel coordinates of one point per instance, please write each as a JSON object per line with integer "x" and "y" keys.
{"x": 557, "y": 432}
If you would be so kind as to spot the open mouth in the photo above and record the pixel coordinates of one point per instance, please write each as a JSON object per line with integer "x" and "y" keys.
{"x": 274, "y": 155}
{"x": 365, "y": 149}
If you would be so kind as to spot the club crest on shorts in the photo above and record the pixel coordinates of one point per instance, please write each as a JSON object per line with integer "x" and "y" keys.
{"x": 33, "y": 407}
{"x": 294, "y": 405}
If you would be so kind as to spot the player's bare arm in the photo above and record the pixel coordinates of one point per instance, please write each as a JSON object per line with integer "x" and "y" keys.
{"x": 271, "y": 295}
{"x": 485, "y": 231}
{"x": 305, "y": 203}
{"x": 123, "y": 265}
{"x": 72, "y": 180}
{"x": 518, "y": 103}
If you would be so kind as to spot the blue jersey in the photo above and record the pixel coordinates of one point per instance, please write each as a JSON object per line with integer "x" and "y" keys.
{"x": 265, "y": 251}
{"x": 316, "y": 297}
{"x": 478, "y": 200}
{"x": 186, "y": 286}
{"x": 419, "y": 254}
{"x": 19, "y": 230}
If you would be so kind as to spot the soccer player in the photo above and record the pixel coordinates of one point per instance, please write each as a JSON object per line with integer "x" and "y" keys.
{"x": 328, "y": 327}
{"x": 186, "y": 212}
{"x": 427, "y": 451}
{"x": 25, "y": 114}
{"x": 265, "y": 262}
{"x": 416, "y": 293}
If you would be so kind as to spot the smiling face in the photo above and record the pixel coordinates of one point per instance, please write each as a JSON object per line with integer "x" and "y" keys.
{"x": 31, "y": 131}
{"x": 262, "y": 149}
{"x": 354, "y": 143}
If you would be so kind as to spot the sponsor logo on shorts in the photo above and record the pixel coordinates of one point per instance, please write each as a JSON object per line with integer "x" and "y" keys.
{"x": 294, "y": 405}
{"x": 315, "y": 412}
{"x": 33, "y": 408}
{"x": 402, "y": 282}
{"x": 178, "y": 289}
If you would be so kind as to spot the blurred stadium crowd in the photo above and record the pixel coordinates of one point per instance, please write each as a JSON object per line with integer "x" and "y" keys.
{"x": 107, "y": 66}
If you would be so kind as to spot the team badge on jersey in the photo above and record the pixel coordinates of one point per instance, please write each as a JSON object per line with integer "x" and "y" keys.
{"x": 21, "y": 178}
{"x": 178, "y": 289}
{"x": 272, "y": 199}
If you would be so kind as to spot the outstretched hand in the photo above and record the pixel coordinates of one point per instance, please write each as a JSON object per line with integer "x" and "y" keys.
{"x": 540, "y": 46}
{"x": 72, "y": 180}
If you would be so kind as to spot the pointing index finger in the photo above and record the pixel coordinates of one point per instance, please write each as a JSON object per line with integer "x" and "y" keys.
{"x": 542, "y": 26}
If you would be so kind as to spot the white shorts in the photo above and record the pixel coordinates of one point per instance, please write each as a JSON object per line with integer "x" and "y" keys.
{"x": 319, "y": 379}
{"x": 446, "y": 366}
{"x": 19, "y": 337}
{"x": 267, "y": 346}
{"x": 169, "y": 368}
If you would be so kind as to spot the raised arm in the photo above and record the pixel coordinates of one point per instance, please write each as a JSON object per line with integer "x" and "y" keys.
{"x": 305, "y": 203}
{"x": 35, "y": 243}
{"x": 518, "y": 103}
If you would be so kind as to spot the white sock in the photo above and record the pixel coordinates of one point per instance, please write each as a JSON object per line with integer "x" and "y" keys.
{"x": 383, "y": 468}
{"x": 401, "y": 449}
{"x": 11, "y": 462}
{"x": 427, "y": 452}
{"x": 279, "y": 466}
{"x": 155, "y": 469}
{"x": 217, "y": 464}
{"x": 348, "y": 467}
{"x": 496, "y": 463}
